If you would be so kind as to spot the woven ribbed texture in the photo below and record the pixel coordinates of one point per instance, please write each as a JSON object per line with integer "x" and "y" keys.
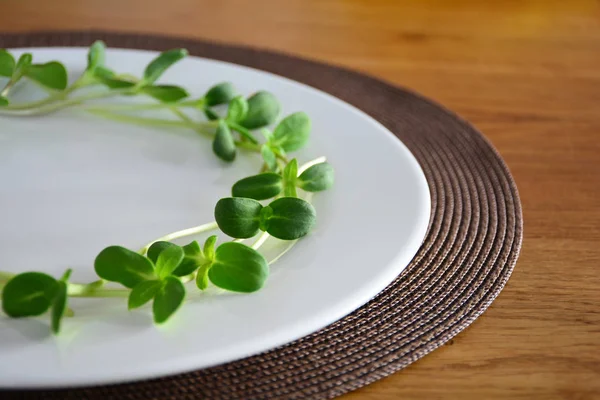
{"x": 470, "y": 250}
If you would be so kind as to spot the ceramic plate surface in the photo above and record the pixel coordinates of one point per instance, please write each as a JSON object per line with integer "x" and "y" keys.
{"x": 72, "y": 183}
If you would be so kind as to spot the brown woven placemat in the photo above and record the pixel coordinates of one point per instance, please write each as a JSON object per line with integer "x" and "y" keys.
{"x": 470, "y": 250}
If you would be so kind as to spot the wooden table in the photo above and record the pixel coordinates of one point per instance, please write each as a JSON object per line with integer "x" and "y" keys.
{"x": 527, "y": 73}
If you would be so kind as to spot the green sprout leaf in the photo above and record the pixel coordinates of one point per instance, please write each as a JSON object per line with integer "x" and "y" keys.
{"x": 52, "y": 75}
{"x": 192, "y": 260}
{"x": 28, "y": 294}
{"x": 263, "y": 109}
{"x": 160, "y": 64}
{"x": 59, "y": 306}
{"x": 238, "y": 268}
{"x": 118, "y": 264}
{"x": 292, "y": 132}
{"x": 23, "y": 63}
{"x": 110, "y": 80}
{"x": 202, "y": 277}
{"x": 223, "y": 144}
{"x": 168, "y": 299}
{"x": 258, "y": 187}
{"x": 238, "y": 108}
{"x": 222, "y": 93}
{"x": 168, "y": 260}
{"x": 156, "y": 248}
{"x": 269, "y": 157}
{"x": 290, "y": 172}
{"x": 209, "y": 247}
{"x": 96, "y": 55}
{"x": 316, "y": 178}
{"x": 210, "y": 114}
{"x": 3, "y": 101}
{"x": 7, "y": 63}
{"x": 238, "y": 217}
{"x": 142, "y": 293}
{"x": 290, "y": 218}
{"x": 166, "y": 93}
{"x": 192, "y": 256}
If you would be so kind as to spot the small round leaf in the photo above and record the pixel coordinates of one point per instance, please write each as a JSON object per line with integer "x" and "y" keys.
{"x": 160, "y": 64}
{"x": 3, "y": 101}
{"x": 258, "y": 187}
{"x": 168, "y": 299}
{"x": 168, "y": 261}
{"x": 156, "y": 248}
{"x": 52, "y": 75}
{"x": 238, "y": 217}
{"x": 317, "y": 178}
{"x": 118, "y": 264}
{"x": 22, "y": 64}
{"x": 290, "y": 174}
{"x": 263, "y": 109}
{"x": 238, "y": 268}
{"x": 166, "y": 93}
{"x": 142, "y": 293}
{"x": 28, "y": 294}
{"x": 291, "y": 219}
{"x": 202, "y": 277}
{"x": 96, "y": 55}
{"x": 269, "y": 157}
{"x": 221, "y": 93}
{"x": 238, "y": 108}
{"x": 192, "y": 256}
{"x": 209, "y": 247}
{"x": 292, "y": 132}
{"x": 223, "y": 144}
{"x": 7, "y": 63}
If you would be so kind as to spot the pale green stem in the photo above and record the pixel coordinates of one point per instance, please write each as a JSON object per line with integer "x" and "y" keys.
{"x": 82, "y": 81}
{"x": 150, "y": 106}
{"x": 278, "y": 256}
{"x": 309, "y": 164}
{"x": 143, "y": 121}
{"x": 182, "y": 233}
{"x": 22, "y": 110}
{"x": 260, "y": 241}
{"x": 7, "y": 88}
{"x": 92, "y": 290}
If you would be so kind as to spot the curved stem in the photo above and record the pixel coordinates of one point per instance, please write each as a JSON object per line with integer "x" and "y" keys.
{"x": 309, "y": 164}
{"x": 182, "y": 233}
{"x": 150, "y": 106}
{"x": 94, "y": 290}
{"x": 261, "y": 240}
{"x": 47, "y": 106}
{"x": 143, "y": 121}
{"x": 82, "y": 81}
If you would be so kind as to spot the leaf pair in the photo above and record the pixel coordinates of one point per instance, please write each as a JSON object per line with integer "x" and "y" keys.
{"x": 154, "y": 70}
{"x": 287, "y": 218}
{"x": 232, "y": 266}
{"x": 291, "y": 134}
{"x": 243, "y": 115}
{"x": 268, "y": 185}
{"x": 149, "y": 278}
{"x": 33, "y": 293}
{"x": 52, "y": 74}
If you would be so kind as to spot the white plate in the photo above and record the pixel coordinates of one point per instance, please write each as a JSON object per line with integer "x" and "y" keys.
{"x": 72, "y": 184}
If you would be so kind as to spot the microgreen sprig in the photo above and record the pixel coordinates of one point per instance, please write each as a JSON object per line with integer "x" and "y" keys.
{"x": 160, "y": 271}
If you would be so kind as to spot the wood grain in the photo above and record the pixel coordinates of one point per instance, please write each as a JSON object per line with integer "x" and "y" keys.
{"x": 527, "y": 73}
